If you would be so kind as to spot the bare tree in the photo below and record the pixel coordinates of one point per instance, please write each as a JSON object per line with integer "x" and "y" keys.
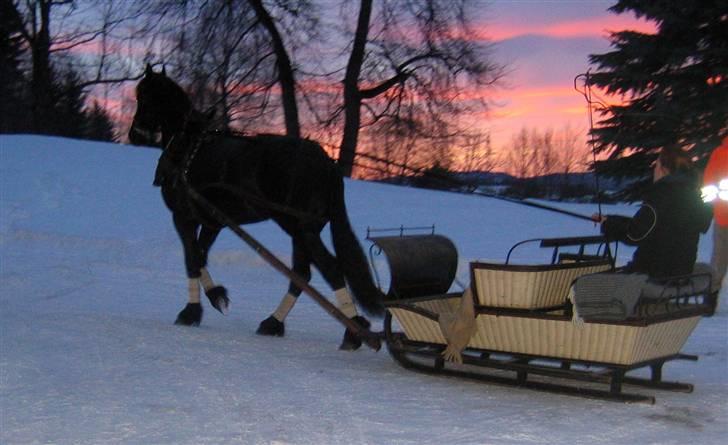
{"x": 571, "y": 150}
{"x": 573, "y": 154}
{"x": 408, "y": 61}
{"x": 389, "y": 145}
{"x": 542, "y": 154}
{"x": 65, "y": 28}
{"x": 520, "y": 157}
{"x": 225, "y": 61}
{"x": 478, "y": 153}
{"x": 286, "y": 77}
{"x": 410, "y": 64}
{"x": 405, "y": 67}
{"x": 544, "y": 148}
{"x": 545, "y": 159}
{"x": 37, "y": 34}
{"x": 233, "y": 56}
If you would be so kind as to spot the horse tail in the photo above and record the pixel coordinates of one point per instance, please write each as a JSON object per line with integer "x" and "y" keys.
{"x": 350, "y": 254}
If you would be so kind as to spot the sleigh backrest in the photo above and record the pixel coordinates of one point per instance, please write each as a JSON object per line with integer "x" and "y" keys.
{"x": 527, "y": 286}
{"x": 419, "y": 265}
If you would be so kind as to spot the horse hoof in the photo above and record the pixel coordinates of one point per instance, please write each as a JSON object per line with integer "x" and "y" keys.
{"x": 351, "y": 341}
{"x": 272, "y": 327}
{"x": 219, "y": 299}
{"x": 191, "y": 315}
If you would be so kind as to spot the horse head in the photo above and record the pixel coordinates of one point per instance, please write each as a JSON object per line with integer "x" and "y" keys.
{"x": 162, "y": 107}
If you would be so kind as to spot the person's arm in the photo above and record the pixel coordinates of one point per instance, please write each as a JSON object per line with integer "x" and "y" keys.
{"x": 630, "y": 230}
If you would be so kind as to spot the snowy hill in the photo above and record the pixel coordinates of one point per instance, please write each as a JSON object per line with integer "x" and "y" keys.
{"x": 92, "y": 277}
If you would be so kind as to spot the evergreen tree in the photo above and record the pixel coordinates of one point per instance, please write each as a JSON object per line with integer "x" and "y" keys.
{"x": 69, "y": 116}
{"x": 673, "y": 82}
{"x": 99, "y": 126}
{"x": 14, "y": 106}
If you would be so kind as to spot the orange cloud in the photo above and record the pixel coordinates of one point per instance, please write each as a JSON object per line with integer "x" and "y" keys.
{"x": 537, "y": 107}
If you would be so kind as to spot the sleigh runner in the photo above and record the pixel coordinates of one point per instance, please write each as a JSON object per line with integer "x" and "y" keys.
{"x": 523, "y": 329}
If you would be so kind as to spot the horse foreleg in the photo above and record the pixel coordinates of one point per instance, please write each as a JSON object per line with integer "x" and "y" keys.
{"x": 215, "y": 293}
{"x": 274, "y": 325}
{"x": 328, "y": 265}
{"x": 191, "y": 315}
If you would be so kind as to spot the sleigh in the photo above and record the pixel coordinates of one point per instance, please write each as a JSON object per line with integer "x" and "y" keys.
{"x": 525, "y": 334}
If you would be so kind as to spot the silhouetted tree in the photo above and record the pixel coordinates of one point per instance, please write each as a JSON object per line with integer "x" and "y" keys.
{"x": 224, "y": 55}
{"x": 404, "y": 56}
{"x": 404, "y": 65}
{"x": 286, "y": 78}
{"x": 85, "y": 23}
{"x": 406, "y": 61}
{"x": 69, "y": 101}
{"x": 674, "y": 83}
{"x": 99, "y": 126}
{"x": 14, "y": 106}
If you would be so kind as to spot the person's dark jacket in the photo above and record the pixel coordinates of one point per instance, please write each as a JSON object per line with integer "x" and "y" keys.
{"x": 666, "y": 229}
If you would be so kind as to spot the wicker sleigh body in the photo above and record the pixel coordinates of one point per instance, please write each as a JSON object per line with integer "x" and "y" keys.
{"x": 525, "y": 331}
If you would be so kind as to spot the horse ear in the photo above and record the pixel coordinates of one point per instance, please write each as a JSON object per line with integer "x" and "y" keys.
{"x": 164, "y": 70}
{"x": 148, "y": 71}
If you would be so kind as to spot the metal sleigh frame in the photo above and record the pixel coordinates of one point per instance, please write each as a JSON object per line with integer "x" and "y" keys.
{"x": 534, "y": 347}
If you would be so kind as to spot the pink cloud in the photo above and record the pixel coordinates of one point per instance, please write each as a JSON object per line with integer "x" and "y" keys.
{"x": 592, "y": 27}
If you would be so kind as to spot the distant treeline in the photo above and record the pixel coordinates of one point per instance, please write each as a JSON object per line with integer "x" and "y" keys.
{"x": 577, "y": 187}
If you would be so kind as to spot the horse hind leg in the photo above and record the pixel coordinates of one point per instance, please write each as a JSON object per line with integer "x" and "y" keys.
{"x": 274, "y": 325}
{"x": 351, "y": 341}
{"x": 329, "y": 267}
{"x": 215, "y": 293}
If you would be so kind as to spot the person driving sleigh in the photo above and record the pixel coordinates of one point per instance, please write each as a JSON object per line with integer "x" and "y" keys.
{"x": 666, "y": 230}
{"x": 667, "y": 227}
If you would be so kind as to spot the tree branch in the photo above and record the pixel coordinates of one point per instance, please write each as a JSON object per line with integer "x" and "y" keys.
{"x": 402, "y": 75}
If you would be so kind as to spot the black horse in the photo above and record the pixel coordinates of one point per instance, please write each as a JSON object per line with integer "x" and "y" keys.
{"x": 251, "y": 178}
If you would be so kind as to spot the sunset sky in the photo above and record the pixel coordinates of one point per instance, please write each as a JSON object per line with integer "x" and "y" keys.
{"x": 546, "y": 43}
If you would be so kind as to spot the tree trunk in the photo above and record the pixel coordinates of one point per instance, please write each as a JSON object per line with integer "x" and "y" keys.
{"x": 285, "y": 71}
{"x": 352, "y": 95}
{"x": 41, "y": 103}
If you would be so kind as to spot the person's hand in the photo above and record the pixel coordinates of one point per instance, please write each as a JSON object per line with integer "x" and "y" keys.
{"x": 598, "y": 218}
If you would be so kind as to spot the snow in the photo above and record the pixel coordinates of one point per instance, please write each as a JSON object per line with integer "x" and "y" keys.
{"x": 92, "y": 277}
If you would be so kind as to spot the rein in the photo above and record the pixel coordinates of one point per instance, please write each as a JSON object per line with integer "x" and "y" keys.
{"x": 458, "y": 183}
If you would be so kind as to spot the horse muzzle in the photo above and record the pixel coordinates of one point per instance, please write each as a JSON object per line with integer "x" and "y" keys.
{"x": 141, "y": 136}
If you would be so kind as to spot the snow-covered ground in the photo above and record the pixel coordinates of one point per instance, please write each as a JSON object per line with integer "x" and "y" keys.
{"x": 92, "y": 277}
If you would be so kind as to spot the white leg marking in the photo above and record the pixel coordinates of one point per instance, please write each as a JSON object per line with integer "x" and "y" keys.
{"x": 193, "y": 286}
{"x": 285, "y": 307}
{"x": 206, "y": 279}
{"x": 346, "y": 304}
